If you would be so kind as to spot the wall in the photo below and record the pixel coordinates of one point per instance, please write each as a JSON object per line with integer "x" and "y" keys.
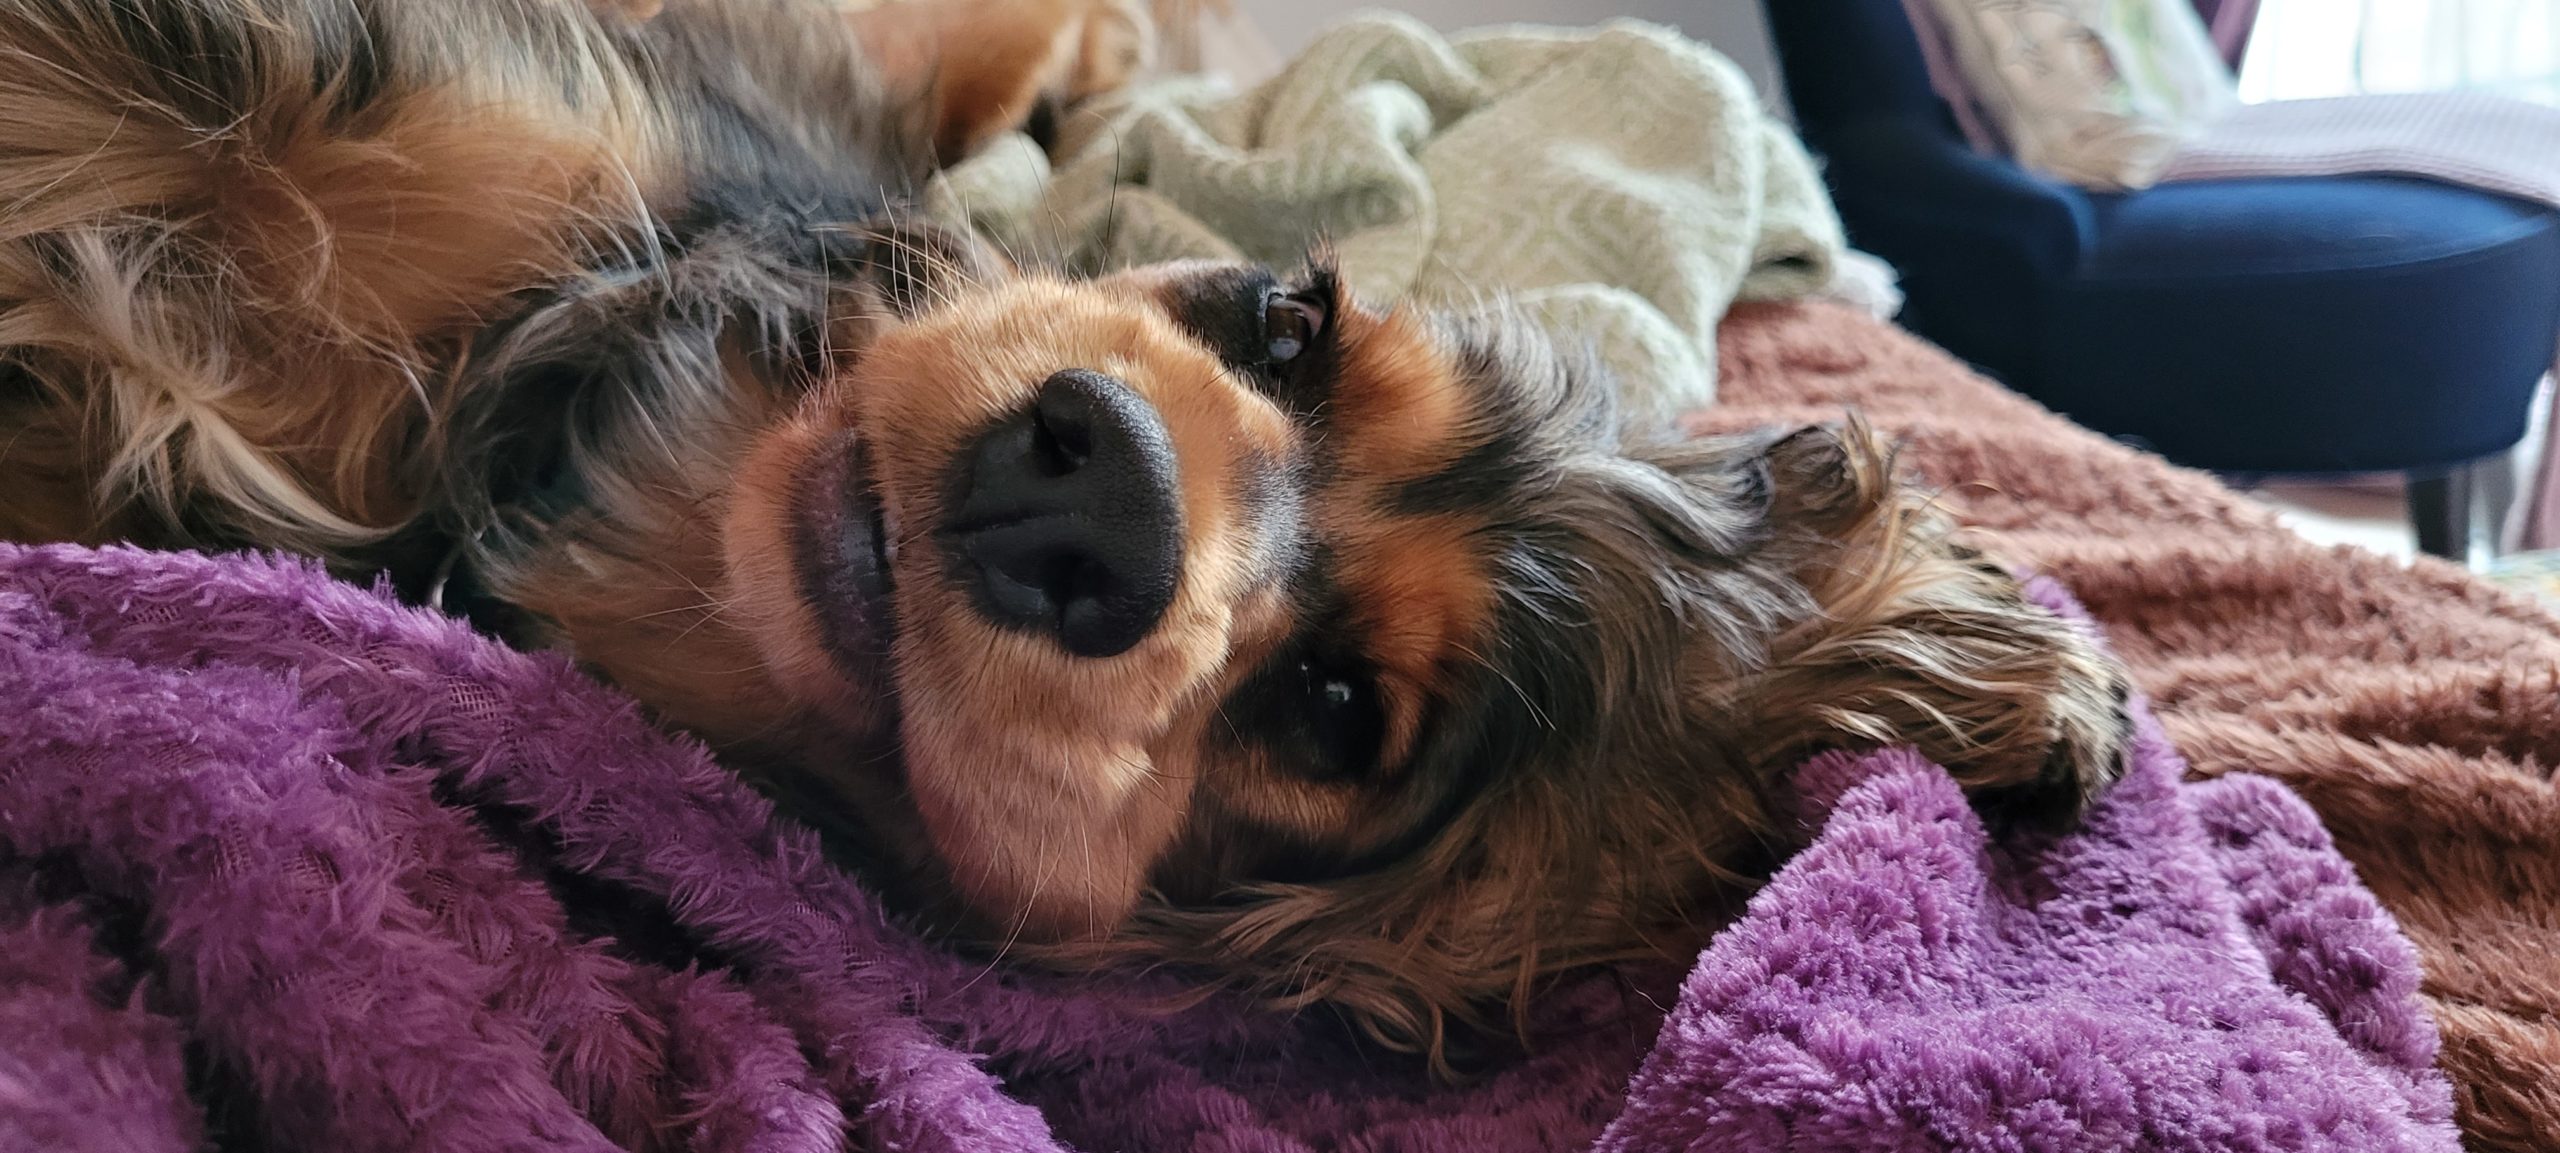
{"x": 1733, "y": 26}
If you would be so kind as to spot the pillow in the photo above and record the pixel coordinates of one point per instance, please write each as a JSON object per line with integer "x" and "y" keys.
{"x": 2096, "y": 92}
{"x": 1946, "y": 78}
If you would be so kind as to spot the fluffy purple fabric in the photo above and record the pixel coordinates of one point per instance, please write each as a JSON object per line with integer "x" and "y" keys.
{"x": 284, "y": 862}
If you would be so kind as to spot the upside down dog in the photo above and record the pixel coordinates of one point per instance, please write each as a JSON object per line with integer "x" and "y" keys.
{"x": 1197, "y": 614}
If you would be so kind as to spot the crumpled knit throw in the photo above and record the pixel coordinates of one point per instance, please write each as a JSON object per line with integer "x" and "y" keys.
{"x": 1621, "y": 185}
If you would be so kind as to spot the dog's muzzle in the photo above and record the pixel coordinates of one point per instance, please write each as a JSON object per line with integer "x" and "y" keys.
{"x": 1066, "y": 517}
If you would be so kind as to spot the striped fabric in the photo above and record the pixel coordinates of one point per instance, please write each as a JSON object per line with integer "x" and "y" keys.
{"x": 2492, "y": 143}
{"x": 2473, "y": 139}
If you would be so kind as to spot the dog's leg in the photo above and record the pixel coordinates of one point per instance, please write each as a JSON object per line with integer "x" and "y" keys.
{"x": 629, "y": 9}
{"x": 990, "y": 65}
{"x": 1920, "y": 640}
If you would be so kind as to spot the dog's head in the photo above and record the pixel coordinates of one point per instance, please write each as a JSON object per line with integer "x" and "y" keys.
{"x": 1197, "y": 575}
{"x": 1206, "y": 614}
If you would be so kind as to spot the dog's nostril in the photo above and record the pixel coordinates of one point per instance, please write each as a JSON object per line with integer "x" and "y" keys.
{"x": 1061, "y": 443}
{"x": 1065, "y": 519}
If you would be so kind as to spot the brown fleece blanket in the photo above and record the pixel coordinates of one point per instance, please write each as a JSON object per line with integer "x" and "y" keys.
{"x": 2414, "y": 706}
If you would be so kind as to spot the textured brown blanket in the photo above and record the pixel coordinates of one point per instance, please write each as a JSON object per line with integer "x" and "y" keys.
{"x": 2418, "y": 709}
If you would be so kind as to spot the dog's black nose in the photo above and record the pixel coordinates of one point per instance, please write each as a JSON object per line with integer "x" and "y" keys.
{"x": 1065, "y": 518}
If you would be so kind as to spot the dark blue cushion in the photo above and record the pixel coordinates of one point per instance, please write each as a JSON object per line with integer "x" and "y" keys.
{"x": 2347, "y": 324}
{"x": 1977, "y": 239}
{"x": 2316, "y": 227}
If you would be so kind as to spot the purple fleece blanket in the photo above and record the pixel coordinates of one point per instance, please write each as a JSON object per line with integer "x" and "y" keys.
{"x": 285, "y": 865}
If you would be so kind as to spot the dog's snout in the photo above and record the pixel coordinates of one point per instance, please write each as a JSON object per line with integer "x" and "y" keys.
{"x": 1065, "y": 518}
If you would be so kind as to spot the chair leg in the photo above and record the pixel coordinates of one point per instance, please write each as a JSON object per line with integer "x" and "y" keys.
{"x": 2493, "y": 489}
{"x": 2440, "y": 509}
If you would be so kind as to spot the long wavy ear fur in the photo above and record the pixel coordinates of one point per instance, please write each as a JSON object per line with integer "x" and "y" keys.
{"x": 250, "y": 242}
{"x": 582, "y": 410}
{"x": 1869, "y": 626}
{"x": 240, "y": 234}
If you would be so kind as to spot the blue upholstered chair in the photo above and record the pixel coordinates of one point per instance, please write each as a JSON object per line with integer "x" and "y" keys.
{"x": 2351, "y": 324}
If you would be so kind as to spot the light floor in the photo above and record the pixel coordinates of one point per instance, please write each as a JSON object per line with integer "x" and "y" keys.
{"x": 2370, "y": 515}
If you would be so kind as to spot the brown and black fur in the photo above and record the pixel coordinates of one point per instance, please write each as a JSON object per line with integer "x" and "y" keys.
{"x": 606, "y": 323}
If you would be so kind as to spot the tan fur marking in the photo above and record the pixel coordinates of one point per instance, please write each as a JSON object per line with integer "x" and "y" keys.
{"x": 1416, "y": 585}
{"x": 1420, "y": 604}
{"x": 1397, "y": 401}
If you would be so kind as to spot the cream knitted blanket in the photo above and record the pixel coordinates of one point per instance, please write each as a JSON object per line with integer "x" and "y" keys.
{"x": 1620, "y": 186}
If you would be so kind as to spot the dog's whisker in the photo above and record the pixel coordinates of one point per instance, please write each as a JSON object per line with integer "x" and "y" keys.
{"x": 696, "y": 607}
{"x": 1527, "y": 700}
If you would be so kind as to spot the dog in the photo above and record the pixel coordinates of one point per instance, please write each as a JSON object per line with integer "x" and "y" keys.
{"x": 1195, "y": 615}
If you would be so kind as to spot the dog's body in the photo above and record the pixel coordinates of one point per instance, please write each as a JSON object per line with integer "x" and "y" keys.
{"x": 1192, "y": 614}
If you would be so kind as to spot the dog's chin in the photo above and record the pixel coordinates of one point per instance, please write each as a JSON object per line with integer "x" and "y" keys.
{"x": 842, "y": 549}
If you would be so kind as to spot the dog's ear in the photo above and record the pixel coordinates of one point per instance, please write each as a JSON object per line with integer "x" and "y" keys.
{"x": 597, "y": 395}
{"x": 602, "y": 393}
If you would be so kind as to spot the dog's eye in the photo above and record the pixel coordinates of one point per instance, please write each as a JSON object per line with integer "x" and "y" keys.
{"x": 1290, "y": 325}
{"x": 1343, "y": 719}
{"x": 1316, "y": 711}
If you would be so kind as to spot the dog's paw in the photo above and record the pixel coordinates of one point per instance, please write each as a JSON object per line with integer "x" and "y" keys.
{"x": 2084, "y": 730}
{"x": 1116, "y": 41}
{"x": 641, "y": 11}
